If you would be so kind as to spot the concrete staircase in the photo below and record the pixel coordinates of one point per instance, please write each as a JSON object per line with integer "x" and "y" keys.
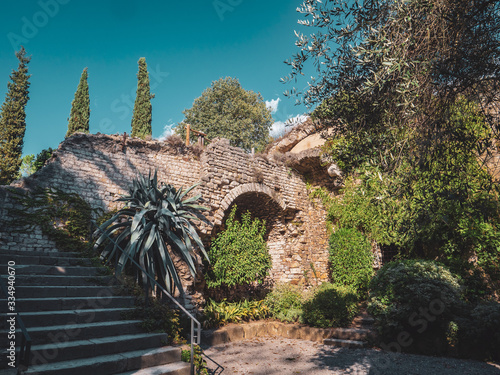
{"x": 359, "y": 335}
{"x": 76, "y": 323}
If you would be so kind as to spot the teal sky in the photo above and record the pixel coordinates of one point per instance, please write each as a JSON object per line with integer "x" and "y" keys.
{"x": 187, "y": 45}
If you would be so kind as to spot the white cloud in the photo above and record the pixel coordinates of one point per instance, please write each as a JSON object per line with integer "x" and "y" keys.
{"x": 277, "y": 130}
{"x": 168, "y": 130}
{"x": 273, "y": 105}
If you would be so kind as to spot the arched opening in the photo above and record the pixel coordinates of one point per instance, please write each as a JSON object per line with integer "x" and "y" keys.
{"x": 261, "y": 206}
{"x": 265, "y": 208}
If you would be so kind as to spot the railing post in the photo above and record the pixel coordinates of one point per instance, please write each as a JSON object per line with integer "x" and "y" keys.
{"x": 192, "y": 347}
{"x": 187, "y": 134}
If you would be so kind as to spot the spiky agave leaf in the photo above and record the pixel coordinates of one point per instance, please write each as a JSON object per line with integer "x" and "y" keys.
{"x": 153, "y": 217}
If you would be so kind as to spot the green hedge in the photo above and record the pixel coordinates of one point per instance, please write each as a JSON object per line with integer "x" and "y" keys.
{"x": 239, "y": 255}
{"x": 331, "y": 306}
{"x": 420, "y": 306}
{"x": 285, "y": 303}
{"x": 351, "y": 259}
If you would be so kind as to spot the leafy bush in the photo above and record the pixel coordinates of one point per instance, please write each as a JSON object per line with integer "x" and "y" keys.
{"x": 152, "y": 218}
{"x": 239, "y": 255}
{"x": 331, "y": 306}
{"x": 418, "y": 297}
{"x": 217, "y": 314}
{"x": 199, "y": 362}
{"x": 285, "y": 302}
{"x": 476, "y": 285}
{"x": 479, "y": 332}
{"x": 351, "y": 259}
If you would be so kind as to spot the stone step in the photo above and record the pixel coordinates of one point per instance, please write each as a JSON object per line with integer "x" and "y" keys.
{"x": 360, "y": 334}
{"x": 345, "y": 343}
{"x": 83, "y": 331}
{"x": 40, "y": 269}
{"x": 177, "y": 368}
{"x": 51, "y": 254}
{"x": 21, "y": 259}
{"x": 51, "y": 318}
{"x": 363, "y": 319}
{"x": 110, "y": 364}
{"x": 32, "y": 291}
{"x": 61, "y": 280}
{"x": 42, "y": 354}
{"x": 106, "y": 299}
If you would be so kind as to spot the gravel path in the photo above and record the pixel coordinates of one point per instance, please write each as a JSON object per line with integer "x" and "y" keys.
{"x": 275, "y": 355}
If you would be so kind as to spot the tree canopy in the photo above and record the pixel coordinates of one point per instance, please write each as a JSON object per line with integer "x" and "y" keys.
{"x": 13, "y": 120}
{"x": 227, "y": 110}
{"x": 411, "y": 88}
{"x": 142, "y": 116}
{"x": 80, "y": 108}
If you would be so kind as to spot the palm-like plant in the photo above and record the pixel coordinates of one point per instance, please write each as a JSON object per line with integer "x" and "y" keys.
{"x": 154, "y": 217}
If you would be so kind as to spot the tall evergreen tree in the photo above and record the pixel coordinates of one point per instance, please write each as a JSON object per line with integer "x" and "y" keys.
{"x": 80, "y": 108}
{"x": 13, "y": 120}
{"x": 141, "y": 119}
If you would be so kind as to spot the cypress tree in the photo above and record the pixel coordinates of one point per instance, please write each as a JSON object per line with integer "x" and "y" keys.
{"x": 13, "y": 120}
{"x": 141, "y": 119}
{"x": 80, "y": 108}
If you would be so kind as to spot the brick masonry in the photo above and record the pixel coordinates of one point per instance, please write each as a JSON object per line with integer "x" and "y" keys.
{"x": 100, "y": 168}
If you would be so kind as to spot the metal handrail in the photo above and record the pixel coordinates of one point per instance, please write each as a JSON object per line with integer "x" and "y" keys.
{"x": 183, "y": 309}
{"x": 219, "y": 366}
{"x": 25, "y": 350}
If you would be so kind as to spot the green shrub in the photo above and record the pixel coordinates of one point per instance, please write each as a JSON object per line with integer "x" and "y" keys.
{"x": 479, "y": 332}
{"x": 331, "y": 306}
{"x": 199, "y": 362}
{"x": 475, "y": 282}
{"x": 239, "y": 255}
{"x": 285, "y": 302}
{"x": 418, "y": 297}
{"x": 217, "y": 314}
{"x": 351, "y": 259}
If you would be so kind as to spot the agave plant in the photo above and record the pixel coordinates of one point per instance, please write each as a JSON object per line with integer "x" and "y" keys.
{"x": 153, "y": 217}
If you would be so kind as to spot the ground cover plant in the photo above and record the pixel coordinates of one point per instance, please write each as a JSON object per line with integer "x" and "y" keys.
{"x": 217, "y": 314}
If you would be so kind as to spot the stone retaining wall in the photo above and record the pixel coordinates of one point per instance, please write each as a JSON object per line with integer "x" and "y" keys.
{"x": 238, "y": 332}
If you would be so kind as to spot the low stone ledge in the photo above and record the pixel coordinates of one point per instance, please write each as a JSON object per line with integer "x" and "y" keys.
{"x": 237, "y": 332}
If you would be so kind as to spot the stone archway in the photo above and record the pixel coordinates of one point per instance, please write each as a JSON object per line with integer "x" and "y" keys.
{"x": 254, "y": 188}
{"x": 265, "y": 204}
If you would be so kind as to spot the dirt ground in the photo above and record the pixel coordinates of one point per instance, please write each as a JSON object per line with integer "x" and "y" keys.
{"x": 281, "y": 356}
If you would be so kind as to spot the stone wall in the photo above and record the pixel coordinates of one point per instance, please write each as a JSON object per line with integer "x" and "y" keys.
{"x": 13, "y": 236}
{"x": 100, "y": 167}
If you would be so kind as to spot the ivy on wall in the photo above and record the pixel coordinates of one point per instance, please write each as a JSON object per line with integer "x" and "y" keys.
{"x": 63, "y": 217}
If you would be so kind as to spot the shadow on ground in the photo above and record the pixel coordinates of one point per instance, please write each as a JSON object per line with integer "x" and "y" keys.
{"x": 273, "y": 356}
